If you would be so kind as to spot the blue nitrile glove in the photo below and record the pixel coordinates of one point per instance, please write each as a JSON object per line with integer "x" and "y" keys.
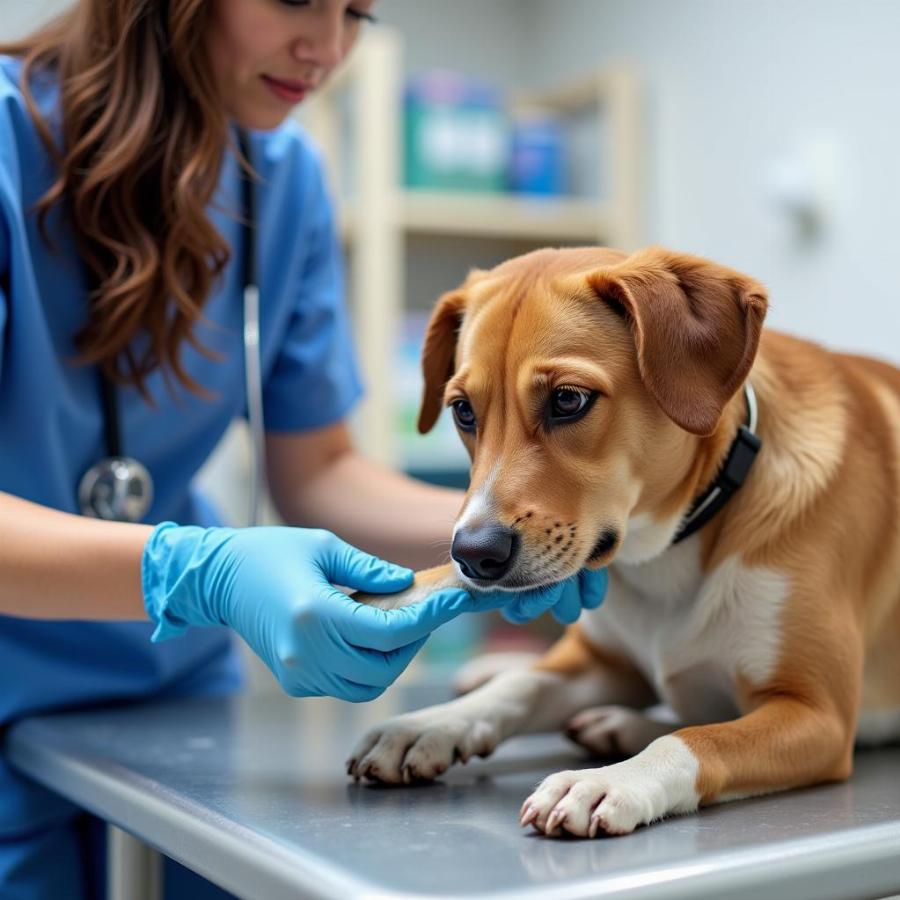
{"x": 565, "y": 600}
{"x": 274, "y": 587}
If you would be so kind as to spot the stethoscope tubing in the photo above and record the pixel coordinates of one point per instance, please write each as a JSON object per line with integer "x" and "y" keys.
{"x": 119, "y": 487}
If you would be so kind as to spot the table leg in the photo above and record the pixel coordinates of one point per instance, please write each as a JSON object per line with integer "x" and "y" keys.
{"x": 133, "y": 868}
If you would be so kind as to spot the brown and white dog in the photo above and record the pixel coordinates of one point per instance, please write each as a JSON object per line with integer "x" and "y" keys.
{"x": 598, "y": 394}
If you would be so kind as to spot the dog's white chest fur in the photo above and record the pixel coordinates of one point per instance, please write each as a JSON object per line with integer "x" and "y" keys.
{"x": 693, "y": 633}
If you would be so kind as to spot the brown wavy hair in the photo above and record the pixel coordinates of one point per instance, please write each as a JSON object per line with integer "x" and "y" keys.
{"x": 143, "y": 134}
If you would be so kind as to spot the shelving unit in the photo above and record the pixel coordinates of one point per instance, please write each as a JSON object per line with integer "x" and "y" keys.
{"x": 377, "y": 214}
{"x": 489, "y": 215}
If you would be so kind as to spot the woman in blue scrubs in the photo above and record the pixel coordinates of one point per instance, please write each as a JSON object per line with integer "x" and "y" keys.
{"x": 120, "y": 199}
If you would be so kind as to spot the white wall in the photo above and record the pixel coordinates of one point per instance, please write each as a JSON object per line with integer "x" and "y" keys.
{"x": 18, "y": 17}
{"x": 477, "y": 36}
{"x": 731, "y": 88}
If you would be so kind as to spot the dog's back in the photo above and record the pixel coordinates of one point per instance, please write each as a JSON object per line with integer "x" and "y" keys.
{"x": 873, "y": 466}
{"x": 834, "y": 439}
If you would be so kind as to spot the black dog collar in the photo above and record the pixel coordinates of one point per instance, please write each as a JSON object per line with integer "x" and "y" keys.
{"x": 731, "y": 476}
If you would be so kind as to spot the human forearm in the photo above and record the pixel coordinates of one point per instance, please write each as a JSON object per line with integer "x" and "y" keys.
{"x": 379, "y": 510}
{"x": 55, "y": 565}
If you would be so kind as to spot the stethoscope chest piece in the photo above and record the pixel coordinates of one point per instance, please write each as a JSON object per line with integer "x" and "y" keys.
{"x": 118, "y": 488}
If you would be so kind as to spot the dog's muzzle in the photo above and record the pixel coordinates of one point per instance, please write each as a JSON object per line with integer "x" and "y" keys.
{"x": 485, "y": 552}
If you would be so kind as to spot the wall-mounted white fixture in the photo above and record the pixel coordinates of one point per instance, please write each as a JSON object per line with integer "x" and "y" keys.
{"x": 802, "y": 187}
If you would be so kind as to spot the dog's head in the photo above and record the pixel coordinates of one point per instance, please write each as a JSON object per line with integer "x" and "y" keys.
{"x": 581, "y": 382}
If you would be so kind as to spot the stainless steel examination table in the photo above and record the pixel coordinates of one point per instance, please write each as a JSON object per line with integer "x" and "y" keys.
{"x": 252, "y": 794}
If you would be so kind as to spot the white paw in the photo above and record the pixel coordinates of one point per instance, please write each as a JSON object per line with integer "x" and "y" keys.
{"x": 616, "y": 799}
{"x": 421, "y": 746}
{"x": 615, "y": 730}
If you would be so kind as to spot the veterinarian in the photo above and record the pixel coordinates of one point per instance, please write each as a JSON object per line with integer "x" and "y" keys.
{"x": 152, "y": 290}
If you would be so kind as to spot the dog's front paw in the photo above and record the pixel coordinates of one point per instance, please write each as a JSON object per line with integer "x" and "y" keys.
{"x": 590, "y": 801}
{"x": 616, "y": 799}
{"x": 420, "y": 746}
{"x": 424, "y": 584}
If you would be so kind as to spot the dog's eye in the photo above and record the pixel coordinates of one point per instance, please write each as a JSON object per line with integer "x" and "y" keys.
{"x": 463, "y": 414}
{"x": 569, "y": 403}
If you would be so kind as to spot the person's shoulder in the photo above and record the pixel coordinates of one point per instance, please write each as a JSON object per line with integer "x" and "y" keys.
{"x": 10, "y": 81}
{"x": 42, "y": 86}
{"x": 43, "y": 83}
{"x": 288, "y": 149}
{"x": 10, "y": 73}
{"x": 17, "y": 136}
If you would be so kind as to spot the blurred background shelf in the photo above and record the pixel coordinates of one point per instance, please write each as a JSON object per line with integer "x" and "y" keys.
{"x": 549, "y": 219}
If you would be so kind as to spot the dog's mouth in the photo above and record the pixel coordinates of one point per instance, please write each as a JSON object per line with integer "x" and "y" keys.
{"x": 519, "y": 580}
{"x": 512, "y": 583}
{"x": 606, "y": 543}
{"x": 502, "y": 584}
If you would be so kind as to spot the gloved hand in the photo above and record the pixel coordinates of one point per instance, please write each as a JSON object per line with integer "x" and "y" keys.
{"x": 565, "y": 600}
{"x": 274, "y": 587}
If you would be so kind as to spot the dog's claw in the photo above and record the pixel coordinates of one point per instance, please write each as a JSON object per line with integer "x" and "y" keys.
{"x": 459, "y": 756}
{"x": 527, "y": 815}
{"x": 556, "y": 819}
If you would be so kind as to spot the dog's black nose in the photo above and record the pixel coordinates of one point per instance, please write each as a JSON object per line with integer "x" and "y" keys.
{"x": 485, "y": 552}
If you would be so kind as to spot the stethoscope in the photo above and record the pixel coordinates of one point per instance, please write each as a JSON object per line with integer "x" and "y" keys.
{"x": 119, "y": 487}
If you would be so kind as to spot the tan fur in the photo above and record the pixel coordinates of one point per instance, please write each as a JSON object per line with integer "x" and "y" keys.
{"x": 668, "y": 339}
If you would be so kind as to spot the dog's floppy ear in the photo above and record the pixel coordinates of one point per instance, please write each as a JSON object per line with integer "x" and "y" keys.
{"x": 438, "y": 353}
{"x": 696, "y": 329}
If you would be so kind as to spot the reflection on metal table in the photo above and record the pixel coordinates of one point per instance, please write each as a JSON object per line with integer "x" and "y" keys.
{"x": 252, "y": 794}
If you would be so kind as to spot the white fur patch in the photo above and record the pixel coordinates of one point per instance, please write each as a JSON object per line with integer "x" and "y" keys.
{"x": 646, "y": 538}
{"x": 691, "y": 634}
{"x": 743, "y": 604}
{"x": 479, "y": 505}
{"x": 616, "y": 799}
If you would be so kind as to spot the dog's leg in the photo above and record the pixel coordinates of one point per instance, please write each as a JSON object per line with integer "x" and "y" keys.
{"x": 794, "y": 736}
{"x": 421, "y": 745}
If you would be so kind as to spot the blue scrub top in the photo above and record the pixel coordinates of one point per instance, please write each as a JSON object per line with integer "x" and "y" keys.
{"x": 51, "y": 421}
